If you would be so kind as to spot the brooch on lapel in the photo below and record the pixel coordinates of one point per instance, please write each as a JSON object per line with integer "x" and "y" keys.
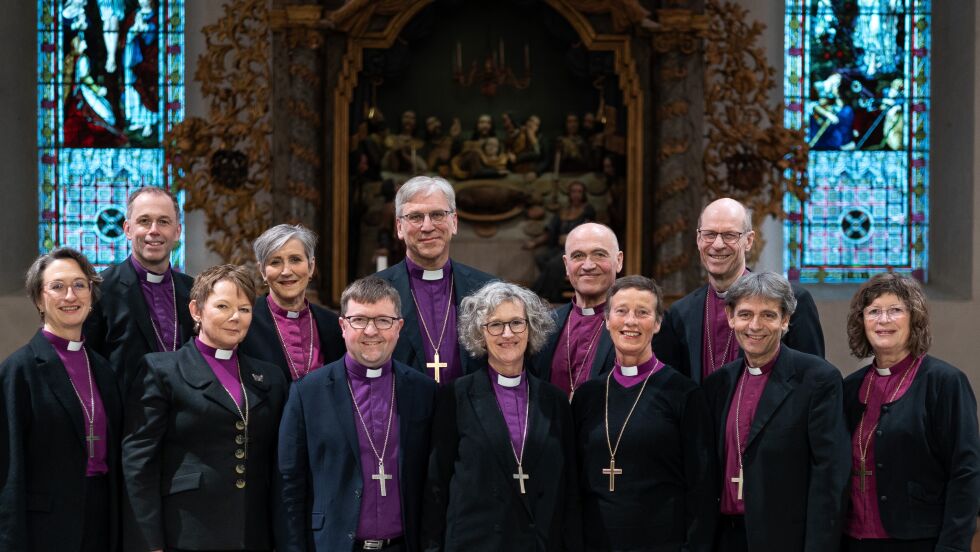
{"x": 258, "y": 377}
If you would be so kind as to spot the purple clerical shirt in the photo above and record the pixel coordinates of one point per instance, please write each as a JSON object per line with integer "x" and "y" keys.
{"x": 73, "y": 356}
{"x": 724, "y": 346}
{"x": 434, "y": 302}
{"x": 577, "y": 344}
{"x": 511, "y": 394}
{"x": 743, "y": 410}
{"x": 633, "y": 375}
{"x": 161, "y": 303}
{"x": 298, "y": 336}
{"x": 380, "y": 516}
{"x": 864, "y": 519}
{"x": 224, "y": 364}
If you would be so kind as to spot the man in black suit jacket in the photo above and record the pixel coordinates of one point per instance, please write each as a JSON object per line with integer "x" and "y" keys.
{"x": 581, "y": 349}
{"x": 338, "y": 420}
{"x": 725, "y": 236}
{"x": 425, "y": 218}
{"x": 122, "y": 326}
{"x": 782, "y": 440}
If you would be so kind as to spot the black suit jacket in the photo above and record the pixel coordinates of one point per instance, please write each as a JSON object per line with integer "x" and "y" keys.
{"x": 679, "y": 342}
{"x": 927, "y": 456}
{"x": 262, "y": 341}
{"x": 179, "y": 455}
{"x": 43, "y": 453}
{"x": 605, "y": 354}
{"x": 320, "y": 459}
{"x": 119, "y": 327}
{"x": 410, "y": 349}
{"x": 797, "y": 460}
{"x": 472, "y": 501}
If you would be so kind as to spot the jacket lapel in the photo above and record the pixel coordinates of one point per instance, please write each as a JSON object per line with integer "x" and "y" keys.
{"x": 255, "y": 384}
{"x": 182, "y": 293}
{"x": 198, "y": 374}
{"x": 58, "y": 381}
{"x": 108, "y": 386}
{"x": 340, "y": 398}
{"x": 543, "y": 359}
{"x": 777, "y": 389}
{"x": 463, "y": 286}
{"x": 603, "y": 347}
{"x": 694, "y": 327}
{"x": 263, "y": 320}
{"x": 731, "y": 381}
{"x": 137, "y": 305}
{"x": 407, "y": 403}
{"x": 409, "y": 345}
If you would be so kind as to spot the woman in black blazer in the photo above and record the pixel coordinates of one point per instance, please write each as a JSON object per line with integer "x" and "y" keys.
{"x": 60, "y": 418}
{"x": 915, "y": 482}
{"x": 287, "y": 330}
{"x": 502, "y": 471}
{"x": 201, "y": 432}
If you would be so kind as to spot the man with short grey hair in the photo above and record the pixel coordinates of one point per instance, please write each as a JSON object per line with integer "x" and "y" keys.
{"x": 430, "y": 284}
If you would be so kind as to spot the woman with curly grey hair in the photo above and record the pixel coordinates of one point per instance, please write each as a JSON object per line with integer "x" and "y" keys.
{"x": 503, "y": 453}
{"x": 915, "y": 470}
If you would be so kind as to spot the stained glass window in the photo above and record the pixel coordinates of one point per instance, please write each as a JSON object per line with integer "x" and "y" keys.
{"x": 857, "y": 80}
{"x": 110, "y": 85}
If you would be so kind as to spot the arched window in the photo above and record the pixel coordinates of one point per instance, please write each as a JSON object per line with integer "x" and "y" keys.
{"x": 857, "y": 78}
{"x": 110, "y": 85}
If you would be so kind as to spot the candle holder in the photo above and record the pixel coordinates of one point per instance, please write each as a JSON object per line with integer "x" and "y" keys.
{"x": 492, "y": 73}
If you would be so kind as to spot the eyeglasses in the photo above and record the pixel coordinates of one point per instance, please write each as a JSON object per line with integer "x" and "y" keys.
{"x": 60, "y": 289}
{"x": 874, "y": 313}
{"x": 380, "y": 322}
{"x": 517, "y": 325}
{"x": 709, "y": 236}
{"x": 437, "y": 217}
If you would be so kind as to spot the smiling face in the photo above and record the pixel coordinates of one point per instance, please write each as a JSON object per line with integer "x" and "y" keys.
{"x": 288, "y": 271}
{"x": 724, "y": 262}
{"x": 759, "y": 324}
{"x": 370, "y": 347}
{"x": 592, "y": 260}
{"x": 224, "y": 316}
{"x": 505, "y": 352}
{"x": 66, "y": 298}
{"x": 631, "y": 318}
{"x": 889, "y": 334}
{"x": 426, "y": 245}
{"x": 153, "y": 229}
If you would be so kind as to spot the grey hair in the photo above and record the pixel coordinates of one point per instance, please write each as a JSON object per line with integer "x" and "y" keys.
{"x": 370, "y": 290}
{"x": 475, "y": 309}
{"x": 767, "y": 285}
{"x": 275, "y": 238}
{"x": 424, "y": 185}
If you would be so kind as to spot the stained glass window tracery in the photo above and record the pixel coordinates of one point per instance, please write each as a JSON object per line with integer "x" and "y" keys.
{"x": 857, "y": 75}
{"x": 110, "y": 85}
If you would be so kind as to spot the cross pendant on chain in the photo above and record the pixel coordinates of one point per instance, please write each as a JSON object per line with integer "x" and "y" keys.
{"x": 862, "y": 473}
{"x": 381, "y": 477}
{"x": 612, "y": 471}
{"x": 436, "y": 365}
{"x": 520, "y": 476}
{"x": 738, "y": 481}
{"x": 92, "y": 438}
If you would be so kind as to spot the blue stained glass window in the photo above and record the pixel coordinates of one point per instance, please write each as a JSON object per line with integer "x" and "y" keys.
{"x": 110, "y": 85}
{"x": 857, "y": 80}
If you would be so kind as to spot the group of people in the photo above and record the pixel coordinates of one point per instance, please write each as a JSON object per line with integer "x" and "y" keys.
{"x": 446, "y": 410}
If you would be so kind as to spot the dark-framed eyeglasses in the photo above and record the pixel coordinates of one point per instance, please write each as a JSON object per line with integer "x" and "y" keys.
{"x": 517, "y": 325}
{"x": 709, "y": 236}
{"x": 380, "y": 322}
{"x": 437, "y": 217}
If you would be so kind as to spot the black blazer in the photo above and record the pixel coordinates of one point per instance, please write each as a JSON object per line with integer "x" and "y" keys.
{"x": 679, "y": 342}
{"x": 43, "y": 454}
{"x": 119, "y": 326}
{"x": 410, "y": 349}
{"x": 927, "y": 456}
{"x": 605, "y": 355}
{"x": 262, "y": 341}
{"x": 179, "y": 455}
{"x": 797, "y": 460}
{"x": 472, "y": 501}
{"x": 320, "y": 459}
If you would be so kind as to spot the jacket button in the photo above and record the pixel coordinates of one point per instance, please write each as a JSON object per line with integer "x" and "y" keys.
{"x": 240, "y": 425}
{"x": 884, "y": 498}
{"x": 240, "y": 483}
{"x": 350, "y": 536}
{"x": 880, "y": 466}
{"x": 878, "y": 433}
{"x": 357, "y": 493}
{"x": 239, "y": 453}
{"x": 240, "y": 469}
{"x": 884, "y": 408}
{"x": 239, "y": 439}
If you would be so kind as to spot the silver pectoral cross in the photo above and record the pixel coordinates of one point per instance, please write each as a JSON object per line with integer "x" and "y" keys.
{"x": 738, "y": 481}
{"x": 520, "y": 476}
{"x": 91, "y": 438}
{"x": 612, "y": 471}
{"x": 381, "y": 477}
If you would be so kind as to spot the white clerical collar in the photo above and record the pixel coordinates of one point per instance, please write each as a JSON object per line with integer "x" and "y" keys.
{"x": 223, "y": 354}
{"x": 373, "y": 373}
{"x": 153, "y": 278}
{"x": 507, "y": 381}
{"x": 629, "y": 371}
{"x": 432, "y": 274}
{"x": 588, "y": 311}
{"x": 754, "y": 371}
{"x": 883, "y": 371}
{"x": 292, "y": 314}
{"x": 74, "y": 346}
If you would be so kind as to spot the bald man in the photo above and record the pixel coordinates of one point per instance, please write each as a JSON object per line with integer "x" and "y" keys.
{"x": 685, "y": 342}
{"x": 582, "y": 349}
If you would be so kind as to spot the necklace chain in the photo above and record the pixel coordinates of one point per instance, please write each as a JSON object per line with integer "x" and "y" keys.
{"x": 445, "y": 320}
{"x": 527, "y": 412}
{"x": 614, "y": 449}
{"x": 709, "y": 331}
{"x": 573, "y": 375}
{"x": 308, "y": 364}
{"x": 89, "y": 415}
{"x": 367, "y": 431}
{"x": 153, "y": 324}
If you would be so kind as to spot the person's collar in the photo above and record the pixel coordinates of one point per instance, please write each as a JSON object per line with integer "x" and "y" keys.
{"x": 61, "y": 343}
{"x": 720, "y": 293}
{"x": 152, "y": 277}
{"x": 589, "y": 311}
{"x": 419, "y": 273}
{"x": 276, "y": 309}
{"x": 214, "y": 352}
{"x": 897, "y": 368}
{"x": 357, "y": 369}
{"x": 765, "y": 368}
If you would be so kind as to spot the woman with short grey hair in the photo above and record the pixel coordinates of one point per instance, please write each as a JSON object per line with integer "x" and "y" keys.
{"x": 287, "y": 330}
{"x": 502, "y": 441}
